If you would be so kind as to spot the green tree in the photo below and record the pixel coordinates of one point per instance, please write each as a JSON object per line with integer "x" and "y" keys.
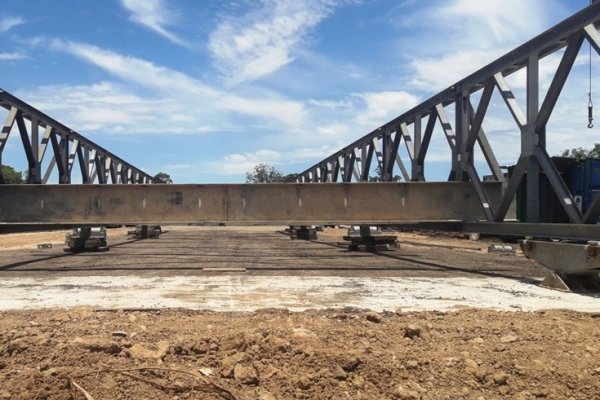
{"x": 163, "y": 177}
{"x": 377, "y": 178}
{"x": 9, "y": 175}
{"x": 264, "y": 173}
{"x": 290, "y": 178}
{"x": 579, "y": 153}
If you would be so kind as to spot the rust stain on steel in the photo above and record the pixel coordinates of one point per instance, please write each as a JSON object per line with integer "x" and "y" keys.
{"x": 326, "y": 203}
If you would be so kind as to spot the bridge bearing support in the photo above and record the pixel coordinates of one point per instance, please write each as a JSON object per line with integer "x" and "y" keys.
{"x": 303, "y": 232}
{"x": 145, "y": 232}
{"x": 370, "y": 241}
{"x": 86, "y": 238}
{"x": 575, "y": 267}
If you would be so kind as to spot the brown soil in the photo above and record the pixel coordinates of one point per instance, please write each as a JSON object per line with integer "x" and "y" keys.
{"x": 273, "y": 354}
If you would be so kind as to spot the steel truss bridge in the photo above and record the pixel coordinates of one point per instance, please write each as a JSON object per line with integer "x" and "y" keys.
{"x": 333, "y": 190}
{"x": 37, "y": 131}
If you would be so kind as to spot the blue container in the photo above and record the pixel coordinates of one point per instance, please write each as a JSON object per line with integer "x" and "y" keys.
{"x": 585, "y": 182}
{"x": 593, "y": 171}
{"x": 577, "y": 180}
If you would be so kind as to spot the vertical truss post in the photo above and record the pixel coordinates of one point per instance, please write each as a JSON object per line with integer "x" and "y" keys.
{"x": 31, "y": 158}
{"x": 114, "y": 177}
{"x": 416, "y": 170}
{"x": 100, "y": 165}
{"x": 529, "y": 140}
{"x": 464, "y": 158}
{"x": 424, "y": 146}
{"x": 356, "y": 166}
{"x": 83, "y": 158}
{"x": 390, "y": 154}
{"x": 365, "y": 162}
{"x": 379, "y": 156}
{"x": 65, "y": 175}
{"x": 36, "y": 171}
{"x": 455, "y": 173}
{"x": 8, "y": 124}
{"x": 386, "y": 144}
{"x": 107, "y": 168}
{"x": 73, "y": 155}
{"x": 59, "y": 158}
{"x": 122, "y": 174}
{"x": 349, "y": 160}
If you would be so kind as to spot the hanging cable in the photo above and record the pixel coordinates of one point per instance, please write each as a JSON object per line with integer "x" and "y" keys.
{"x": 590, "y": 104}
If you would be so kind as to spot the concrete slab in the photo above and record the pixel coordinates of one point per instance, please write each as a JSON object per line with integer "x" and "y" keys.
{"x": 251, "y": 292}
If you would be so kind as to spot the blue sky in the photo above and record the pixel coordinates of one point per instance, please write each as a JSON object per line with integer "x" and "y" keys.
{"x": 205, "y": 90}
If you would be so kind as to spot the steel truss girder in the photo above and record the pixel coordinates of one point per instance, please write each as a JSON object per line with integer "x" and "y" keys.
{"x": 67, "y": 146}
{"x": 531, "y": 120}
{"x": 285, "y": 204}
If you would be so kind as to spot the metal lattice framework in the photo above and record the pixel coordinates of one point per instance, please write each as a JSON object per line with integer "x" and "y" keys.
{"x": 416, "y": 126}
{"x": 96, "y": 164}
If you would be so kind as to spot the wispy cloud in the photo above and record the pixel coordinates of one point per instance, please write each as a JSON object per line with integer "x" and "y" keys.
{"x": 111, "y": 108}
{"x": 134, "y": 69}
{"x": 474, "y": 33}
{"x": 14, "y": 55}
{"x": 255, "y": 45}
{"x": 383, "y": 106}
{"x": 154, "y": 15}
{"x": 437, "y": 73}
{"x": 493, "y": 19}
{"x": 188, "y": 90}
{"x": 7, "y": 23}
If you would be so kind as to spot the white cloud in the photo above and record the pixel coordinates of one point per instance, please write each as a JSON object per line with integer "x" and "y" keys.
{"x": 438, "y": 73}
{"x": 134, "y": 69}
{"x": 383, "y": 106}
{"x": 14, "y": 55}
{"x": 110, "y": 108}
{"x": 183, "y": 87}
{"x": 154, "y": 15}
{"x": 8, "y": 23}
{"x": 173, "y": 168}
{"x": 259, "y": 43}
{"x": 469, "y": 34}
{"x": 498, "y": 20}
{"x": 289, "y": 112}
{"x": 334, "y": 130}
{"x": 330, "y": 104}
{"x": 239, "y": 163}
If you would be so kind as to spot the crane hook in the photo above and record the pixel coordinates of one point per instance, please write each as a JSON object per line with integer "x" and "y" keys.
{"x": 590, "y": 113}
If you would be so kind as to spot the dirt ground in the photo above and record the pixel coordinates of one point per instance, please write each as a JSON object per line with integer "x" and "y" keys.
{"x": 274, "y": 354}
{"x": 343, "y": 353}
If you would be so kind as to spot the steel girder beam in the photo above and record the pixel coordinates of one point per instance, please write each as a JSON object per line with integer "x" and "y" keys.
{"x": 285, "y": 204}
{"x": 581, "y": 232}
{"x": 530, "y": 120}
{"x": 67, "y": 146}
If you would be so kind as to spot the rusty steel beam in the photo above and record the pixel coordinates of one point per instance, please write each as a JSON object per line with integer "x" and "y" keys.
{"x": 266, "y": 204}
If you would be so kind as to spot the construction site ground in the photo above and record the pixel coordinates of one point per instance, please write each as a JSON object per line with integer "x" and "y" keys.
{"x": 247, "y": 313}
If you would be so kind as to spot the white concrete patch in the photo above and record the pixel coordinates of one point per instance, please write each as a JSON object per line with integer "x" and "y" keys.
{"x": 247, "y": 293}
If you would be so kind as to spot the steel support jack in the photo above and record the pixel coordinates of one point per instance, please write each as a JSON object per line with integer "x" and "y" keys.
{"x": 145, "y": 232}
{"x": 303, "y": 232}
{"x": 86, "y": 239}
{"x": 369, "y": 240}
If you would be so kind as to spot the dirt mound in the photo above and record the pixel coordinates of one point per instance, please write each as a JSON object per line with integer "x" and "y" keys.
{"x": 274, "y": 354}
